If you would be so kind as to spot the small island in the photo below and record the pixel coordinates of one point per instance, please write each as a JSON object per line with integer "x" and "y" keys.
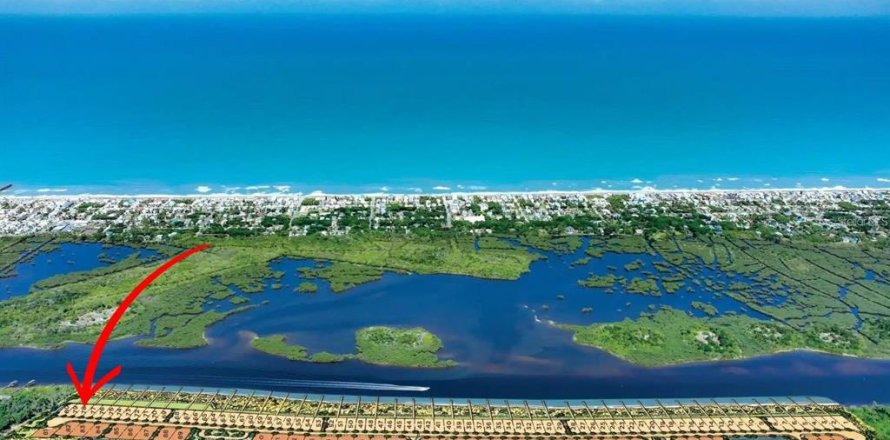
{"x": 341, "y": 276}
{"x": 600, "y": 281}
{"x": 277, "y": 345}
{"x": 414, "y": 347}
{"x": 306, "y": 287}
{"x": 670, "y": 337}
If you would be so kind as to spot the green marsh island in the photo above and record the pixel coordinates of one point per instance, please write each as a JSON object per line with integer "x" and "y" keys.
{"x": 380, "y": 345}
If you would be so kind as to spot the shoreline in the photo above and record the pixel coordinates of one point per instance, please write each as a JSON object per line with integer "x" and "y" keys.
{"x": 594, "y": 192}
{"x": 668, "y": 365}
{"x": 716, "y": 362}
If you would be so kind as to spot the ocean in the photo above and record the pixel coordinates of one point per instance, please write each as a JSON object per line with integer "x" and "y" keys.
{"x": 435, "y": 103}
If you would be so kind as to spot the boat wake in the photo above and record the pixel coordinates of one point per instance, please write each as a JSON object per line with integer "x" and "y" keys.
{"x": 299, "y": 383}
{"x": 342, "y": 384}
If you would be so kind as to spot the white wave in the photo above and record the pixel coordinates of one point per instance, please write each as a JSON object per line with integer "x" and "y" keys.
{"x": 52, "y": 190}
{"x": 384, "y": 189}
{"x": 441, "y": 188}
{"x": 883, "y": 180}
{"x": 636, "y": 181}
{"x": 282, "y": 188}
{"x": 203, "y": 189}
{"x": 824, "y": 179}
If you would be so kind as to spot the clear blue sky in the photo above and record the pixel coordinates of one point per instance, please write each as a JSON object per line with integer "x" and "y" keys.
{"x": 781, "y": 8}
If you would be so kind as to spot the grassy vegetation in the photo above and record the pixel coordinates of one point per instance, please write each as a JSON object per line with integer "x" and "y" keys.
{"x": 630, "y": 244}
{"x": 177, "y": 332}
{"x": 413, "y": 347}
{"x": 24, "y": 404}
{"x": 633, "y": 265}
{"x": 14, "y": 250}
{"x": 251, "y": 281}
{"x": 47, "y": 317}
{"x": 877, "y": 418}
{"x": 671, "y": 285}
{"x": 306, "y": 287}
{"x": 278, "y": 346}
{"x": 54, "y": 312}
{"x": 829, "y": 296}
{"x": 418, "y": 254}
{"x": 826, "y": 296}
{"x": 74, "y": 277}
{"x": 237, "y": 300}
{"x": 705, "y": 307}
{"x": 343, "y": 276}
{"x": 643, "y": 286}
{"x": 581, "y": 261}
{"x": 546, "y": 242}
{"x": 601, "y": 281}
{"x": 323, "y": 357}
{"x": 670, "y": 337}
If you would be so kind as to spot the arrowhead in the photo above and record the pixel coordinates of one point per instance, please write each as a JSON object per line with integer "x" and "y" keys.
{"x": 86, "y": 389}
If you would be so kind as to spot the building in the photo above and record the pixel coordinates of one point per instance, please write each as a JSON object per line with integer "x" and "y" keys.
{"x": 143, "y": 413}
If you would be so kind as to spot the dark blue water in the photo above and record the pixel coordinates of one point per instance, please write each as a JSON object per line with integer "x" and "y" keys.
{"x": 416, "y": 102}
{"x": 66, "y": 259}
{"x": 496, "y": 330}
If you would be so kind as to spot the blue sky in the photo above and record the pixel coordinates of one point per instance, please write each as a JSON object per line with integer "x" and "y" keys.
{"x": 779, "y": 8}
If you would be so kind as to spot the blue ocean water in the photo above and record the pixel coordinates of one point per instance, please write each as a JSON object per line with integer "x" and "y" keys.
{"x": 341, "y": 103}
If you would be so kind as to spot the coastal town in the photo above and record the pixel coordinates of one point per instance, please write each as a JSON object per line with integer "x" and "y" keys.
{"x": 839, "y": 215}
{"x": 143, "y": 413}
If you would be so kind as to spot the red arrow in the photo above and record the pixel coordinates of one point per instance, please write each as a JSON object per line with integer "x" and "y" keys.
{"x": 86, "y": 389}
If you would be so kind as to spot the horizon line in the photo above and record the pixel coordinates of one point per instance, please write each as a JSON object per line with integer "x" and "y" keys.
{"x": 880, "y": 15}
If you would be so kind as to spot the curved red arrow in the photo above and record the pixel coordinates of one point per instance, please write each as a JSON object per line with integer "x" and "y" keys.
{"x": 86, "y": 389}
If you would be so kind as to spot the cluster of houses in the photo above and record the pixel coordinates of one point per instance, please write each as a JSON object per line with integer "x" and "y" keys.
{"x": 850, "y": 214}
